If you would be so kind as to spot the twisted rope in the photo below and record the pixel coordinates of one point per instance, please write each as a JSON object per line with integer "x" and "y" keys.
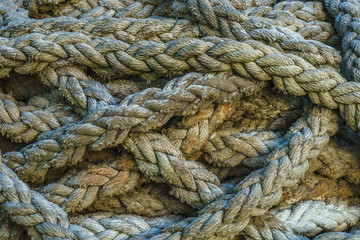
{"x": 248, "y": 59}
{"x": 25, "y": 123}
{"x": 306, "y": 219}
{"x": 248, "y": 193}
{"x": 166, "y": 128}
{"x": 77, "y": 191}
{"x": 147, "y": 111}
{"x": 41, "y": 218}
{"x": 64, "y": 192}
{"x": 257, "y": 192}
{"x": 339, "y": 235}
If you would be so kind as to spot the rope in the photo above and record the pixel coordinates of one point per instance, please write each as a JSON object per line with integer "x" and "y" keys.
{"x": 74, "y": 85}
{"x": 248, "y": 58}
{"x": 10, "y": 230}
{"x": 77, "y": 136}
{"x": 147, "y": 28}
{"x": 66, "y": 192}
{"x": 345, "y": 14}
{"x": 78, "y": 190}
{"x": 27, "y": 208}
{"x": 25, "y": 123}
{"x": 231, "y": 149}
{"x": 136, "y": 9}
{"x": 305, "y": 219}
{"x": 338, "y": 235}
{"x": 187, "y": 135}
{"x": 250, "y": 200}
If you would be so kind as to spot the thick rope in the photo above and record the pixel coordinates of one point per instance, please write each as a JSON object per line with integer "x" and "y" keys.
{"x": 346, "y": 13}
{"x": 25, "y": 123}
{"x": 294, "y": 137}
{"x": 253, "y": 50}
{"x": 108, "y": 175}
{"x": 65, "y": 195}
{"x": 77, "y": 191}
{"x": 51, "y": 78}
{"x": 10, "y": 230}
{"x": 226, "y": 214}
{"x": 339, "y": 235}
{"x": 136, "y": 9}
{"x": 258, "y": 43}
{"x": 75, "y": 86}
{"x": 211, "y": 55}
{"x": 299, "y": 219}
{"x": 133, "y": 30}
{"x": 204, "y": 182}
{"x": 147, "y": 199}
{"x": 306, "y": 219}
{"x": 230, "y": 149}
{"x": 160, "y": 160}
{"x": 27, "y": 208}
{"x": 147, "y": 111}
{"x": 129, "y": 31}
{"x": 253, "y": 194}
{"x": 308, "y": 11}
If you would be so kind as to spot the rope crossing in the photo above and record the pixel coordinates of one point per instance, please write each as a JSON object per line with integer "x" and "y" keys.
{"x": 181, "y": 119}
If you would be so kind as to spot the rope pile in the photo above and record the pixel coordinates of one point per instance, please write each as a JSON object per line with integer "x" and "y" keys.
{"x": 181, "y": 119}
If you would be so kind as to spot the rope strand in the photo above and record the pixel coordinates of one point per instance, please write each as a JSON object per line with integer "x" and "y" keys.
{"x": 201, "y": 136}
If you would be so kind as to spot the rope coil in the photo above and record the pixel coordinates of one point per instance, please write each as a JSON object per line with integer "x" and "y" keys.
{"x": 223, "y": 151}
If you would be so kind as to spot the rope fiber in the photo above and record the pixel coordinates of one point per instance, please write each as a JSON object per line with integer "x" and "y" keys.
{"x": 179, "y": 120}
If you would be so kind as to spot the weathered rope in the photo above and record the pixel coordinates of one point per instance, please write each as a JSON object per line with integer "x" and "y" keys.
{"x": 24, "y": 123}
{"x": 248, "y": 58}
{"x": 315, "y": 122}
{"x": 250, "y": 28}
{"x": 306, "y": 219}
{"x": 167, "y": 128}
{"x": 52, "y": 79}
{"x": 132, "y": 30}
{"x": 253, "y": 194}
{"x": 298, "y": 218}
{"x": 41, "y": 218}
{"x": 147, "y": 111}
{"x": 75, "y": 192}
{"x": 74, "y": 85}
{"x": 10, "y": 230}
{"x": 339, "y": 235}
{"x": 346, "y": 13}
{"x": 237, "y": 216}
{"x": 231, "y": 149}
{"x": 64, "y": 191}
{"x": 129, "y": 8}
{"x": 308, "y": 11}
{"x": 160, "y": 160}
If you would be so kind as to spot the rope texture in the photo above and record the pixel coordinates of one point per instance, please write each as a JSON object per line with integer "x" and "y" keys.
{"x": 214, "y": 156}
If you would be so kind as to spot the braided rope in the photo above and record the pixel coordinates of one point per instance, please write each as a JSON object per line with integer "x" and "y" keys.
{"x": 306, "y": 219}
{"x": 10, "y": 230}
{"x": 63, "y": 193}
{"x": 149, "y": 104}
{"x": 294, "y": 141}
{"x": 132, "y": 30}
{"x": 339, "y": 235}
{"x": 29, "y": 209}
{"x": 77, "y": 191}
{"x": 25, "y": 123}
{"x": 166, "y": 128}
{"x": 236, "y": 216}
{"x": 300, "y": 221}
